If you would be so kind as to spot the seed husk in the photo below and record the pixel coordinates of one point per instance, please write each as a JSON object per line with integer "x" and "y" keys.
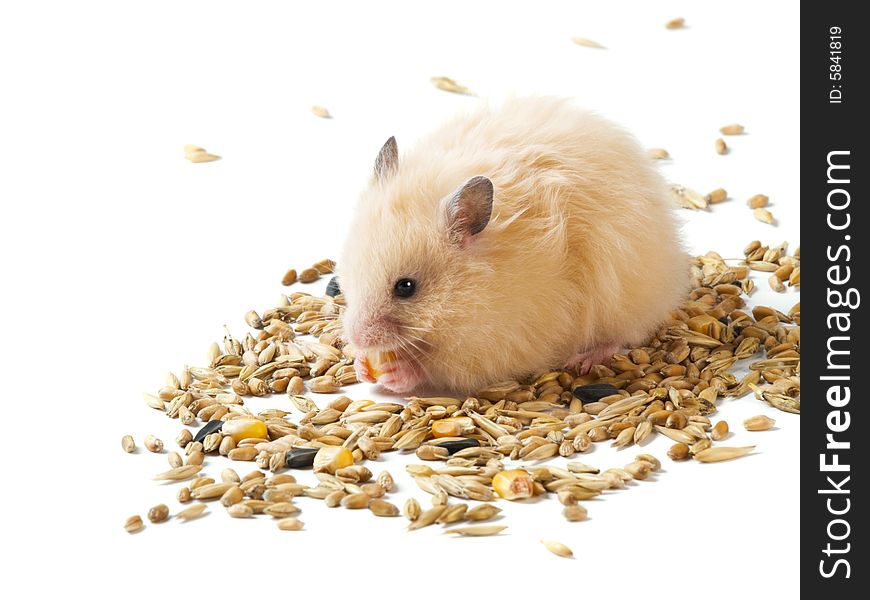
{"x": 478, "y": 530}
{"x": 719, "y": 431}
{"x": 427, "y": 517}
{"x": 652, "y": 460}
{"x": 758, "y": 201}
{"x": 482, "y": 512}
{"x": 382, "y": 508}
{"x": 233, "y": 495}
{"x": 179, "y": 473}
{"x": 321, "y": 112}
{"x": 733, "y": 129}
{"x": 679, "y": 451}
{"x": 184, "y": 438}
{"x": 411, "y": 509}
{"x": 720, "y": 453}
{"x": 758, "y": 423}
{"x": 134, "y": 524}
{"x": 195, "y": 154}
{"x": 183, "y": 495}
{"x": 658, "y": 154}
{"x": 677, "y": 23}
{"x": 153, "y": 444}
{"x": 210, "y": 490}
{"x": 717, "y": 196}
{"x": 721, "y": 146}
{"x": 575, "y": 512}
{"x": 280, "y": 510}
{"x": 174, "y": 459}
{"x": 587, "y": 43}
{"x": 128, "y": 444}
{"x": 558, "y": 548}
{"x": 354, "y": 501}
{"x": 448, "y": 85}
{"x": 688, "y": 198}
{"x": 309, "y": 275}
{"x": 240, "y": 511}
{"x": 158, "y": 514}
{"x": 191, "y": 512}
{"x": 289, "y": 277}
{"x": 763, "y": 215}
{"x": 290, "y": 524}
{"x": 386, "y": 481}
{"x": 513, "y": 484}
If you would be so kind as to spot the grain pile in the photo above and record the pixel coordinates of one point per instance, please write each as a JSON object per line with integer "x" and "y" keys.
{"x": 669, "y": 387}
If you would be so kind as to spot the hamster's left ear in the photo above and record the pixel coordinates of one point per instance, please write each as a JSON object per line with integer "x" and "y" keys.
{"x": 469, "y": 209}
{"x": 388, "y": 160}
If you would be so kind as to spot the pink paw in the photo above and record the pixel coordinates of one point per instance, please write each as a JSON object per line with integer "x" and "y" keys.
{"x": 598, "y": 356}
{"x": 399, "y": 377}
{"x": 362, "y": 370}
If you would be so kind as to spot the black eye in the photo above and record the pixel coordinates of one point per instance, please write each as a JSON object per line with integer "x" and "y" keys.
{"x": 405, "y": 288}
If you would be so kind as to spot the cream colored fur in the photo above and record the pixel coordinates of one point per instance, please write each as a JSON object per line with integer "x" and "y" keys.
{"x": 582, "y": 249}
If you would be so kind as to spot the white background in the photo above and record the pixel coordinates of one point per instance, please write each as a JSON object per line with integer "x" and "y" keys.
{"x": 122, "y": 260}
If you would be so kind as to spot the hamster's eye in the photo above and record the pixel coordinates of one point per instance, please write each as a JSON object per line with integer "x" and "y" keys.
{"x": 405, "y": 288}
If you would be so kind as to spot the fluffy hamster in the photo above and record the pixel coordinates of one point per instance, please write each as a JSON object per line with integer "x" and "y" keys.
{"x": 511, "y": 241}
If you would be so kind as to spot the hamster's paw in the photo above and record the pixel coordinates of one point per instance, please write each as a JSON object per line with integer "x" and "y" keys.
{"x": 362, "y": 370}
{"x": 597, "y": 356}
{"x": 400, "y": 377}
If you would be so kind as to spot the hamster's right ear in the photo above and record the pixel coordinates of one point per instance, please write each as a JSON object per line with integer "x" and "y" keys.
{"x": 387, "y": 161}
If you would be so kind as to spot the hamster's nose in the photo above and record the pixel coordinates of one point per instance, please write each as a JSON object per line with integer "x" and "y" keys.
{"x": 373, "y": 332}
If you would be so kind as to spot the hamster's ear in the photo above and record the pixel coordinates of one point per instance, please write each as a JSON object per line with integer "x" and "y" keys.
{"x": 388, "y": 160}
{"x": 468, "y": 209}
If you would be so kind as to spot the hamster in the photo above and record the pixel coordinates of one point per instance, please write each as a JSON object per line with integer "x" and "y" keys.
{"x": 511, "y": 241}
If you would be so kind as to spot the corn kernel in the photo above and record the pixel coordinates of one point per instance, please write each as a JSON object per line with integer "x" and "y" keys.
{"x": 377, "y": 362}
{"x": 332, "y": 458}
{"x": 452, "y": 427}
{"x": 514, "y": 484}
{"x": 240, "y": 429}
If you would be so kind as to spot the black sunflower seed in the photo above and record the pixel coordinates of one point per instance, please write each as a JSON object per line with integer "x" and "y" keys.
{"x": 210, "y": 427}
{"x": 299, "y": 458}
{"x": 594, "y": 391}
{"x": 332, "y": 288}
{"x": 457, "y": 445}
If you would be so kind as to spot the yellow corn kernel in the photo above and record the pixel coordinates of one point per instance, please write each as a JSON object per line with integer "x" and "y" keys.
{"x": 514, "y": 484}
{"x": 332, "y": 458}
{"x": 377, "y": 361}
{"x": 239, "y": 429}
{"x": 452, "y": 427}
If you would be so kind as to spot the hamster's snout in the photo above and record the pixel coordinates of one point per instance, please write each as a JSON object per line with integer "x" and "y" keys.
{"x": 366, "y": 332}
